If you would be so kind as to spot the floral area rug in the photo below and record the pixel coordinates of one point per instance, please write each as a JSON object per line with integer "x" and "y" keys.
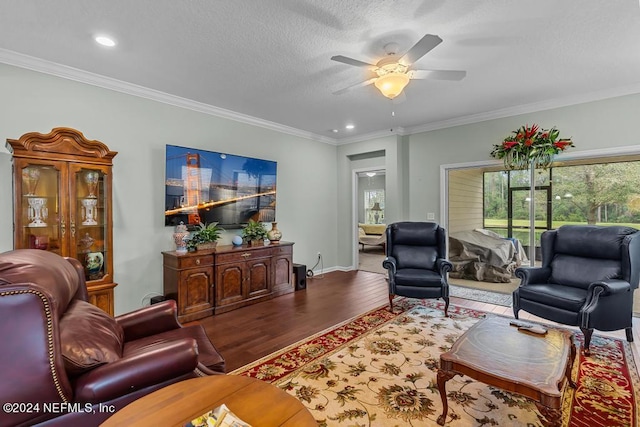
{"x": 380, "y": 368}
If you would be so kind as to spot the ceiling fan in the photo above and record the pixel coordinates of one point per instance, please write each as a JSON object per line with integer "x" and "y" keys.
{"x": 394, "y": 71}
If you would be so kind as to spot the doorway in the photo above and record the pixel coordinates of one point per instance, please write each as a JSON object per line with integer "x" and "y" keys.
{"x": 369, "y": 209}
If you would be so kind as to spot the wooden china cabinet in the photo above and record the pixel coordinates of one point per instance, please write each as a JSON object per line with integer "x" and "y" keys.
{"x": 62, "y": 203}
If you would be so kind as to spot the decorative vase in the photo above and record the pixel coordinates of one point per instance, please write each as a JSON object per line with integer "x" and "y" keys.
{"x": 30, "y": 177}
{"x": 86, "y": 242}
{"x": 37, "y": 212}
{"x": 274, "y": 235}
{"x": 89, "y": 211}
{"x": 179, "y": 238}
{"x": 94, "y": 262}
{"x": 91, "y": 178}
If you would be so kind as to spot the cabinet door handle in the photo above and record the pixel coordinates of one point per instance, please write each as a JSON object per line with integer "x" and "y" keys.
{"x": 246, "y": 255}
{"x": 198, "y": 261}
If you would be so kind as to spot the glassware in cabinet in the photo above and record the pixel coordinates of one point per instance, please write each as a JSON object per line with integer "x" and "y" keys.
{"x": 38, "y": 205}
{"x": 92, "y": 196}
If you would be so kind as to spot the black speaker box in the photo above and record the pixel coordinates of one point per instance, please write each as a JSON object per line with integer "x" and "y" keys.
{"x": 157, "y": 299}
{"x": 300, "y": 276}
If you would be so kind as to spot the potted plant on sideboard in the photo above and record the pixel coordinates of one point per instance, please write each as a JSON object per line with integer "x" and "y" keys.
{"x": 204, "y": 237}
{"x": 254, "y": 233}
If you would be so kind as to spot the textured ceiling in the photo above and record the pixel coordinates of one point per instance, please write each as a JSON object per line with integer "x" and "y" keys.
{"x": 269, "y": 61}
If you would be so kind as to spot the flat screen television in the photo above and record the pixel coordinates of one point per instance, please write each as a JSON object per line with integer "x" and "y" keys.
{"x": 207, "y": 186}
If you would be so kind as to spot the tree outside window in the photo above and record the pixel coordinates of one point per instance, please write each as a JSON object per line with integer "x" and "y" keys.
{"x": 597, "y": 194}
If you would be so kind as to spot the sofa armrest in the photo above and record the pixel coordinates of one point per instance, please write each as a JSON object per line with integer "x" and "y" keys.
{"x": 150, "y": 320}
{"x": 529, "y": 275}
{"x": 165, "y": 361}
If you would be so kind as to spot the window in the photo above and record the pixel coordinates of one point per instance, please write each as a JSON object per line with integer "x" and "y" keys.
{"x": 602, "y": 193}
{"x": 374, "y": 206}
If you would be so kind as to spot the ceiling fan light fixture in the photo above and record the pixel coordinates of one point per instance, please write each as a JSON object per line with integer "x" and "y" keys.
{"x": 392, "y": 84}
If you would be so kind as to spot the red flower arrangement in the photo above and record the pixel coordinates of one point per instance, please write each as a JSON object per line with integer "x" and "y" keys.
{"x": 530, "y": 145}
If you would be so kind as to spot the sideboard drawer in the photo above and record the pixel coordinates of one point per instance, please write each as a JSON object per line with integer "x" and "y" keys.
{"x": 195, "y": 261}
{"x": 283, "y": 250}
{"x": 242, "y": 255}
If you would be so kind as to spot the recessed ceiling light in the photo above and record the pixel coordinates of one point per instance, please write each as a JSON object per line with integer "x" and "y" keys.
{"x": 334, "y": 130}
{"x": 105, "y": 41}
{"x": 349, "y": 127}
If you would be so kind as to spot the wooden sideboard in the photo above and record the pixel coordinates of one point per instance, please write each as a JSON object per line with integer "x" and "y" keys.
{"x": 228, "y": 277}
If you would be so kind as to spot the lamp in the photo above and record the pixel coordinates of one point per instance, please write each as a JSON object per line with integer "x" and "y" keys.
{"x": 376, "y": 209}
{"x": 391, "y": 84}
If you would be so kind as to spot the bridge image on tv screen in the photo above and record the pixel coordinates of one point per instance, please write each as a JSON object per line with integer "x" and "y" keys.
{"x": 206, "y": 186}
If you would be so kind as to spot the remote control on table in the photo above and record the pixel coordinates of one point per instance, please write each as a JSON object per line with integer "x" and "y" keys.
{"x": 519, "y": 324}
{"x": 534, "y": 329}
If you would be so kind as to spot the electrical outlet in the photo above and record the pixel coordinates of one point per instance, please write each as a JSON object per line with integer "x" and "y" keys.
{"x": 431, "y": 215}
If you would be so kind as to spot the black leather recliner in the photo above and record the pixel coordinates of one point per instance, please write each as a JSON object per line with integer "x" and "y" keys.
{"x": 416, "y": 253}
{"x": 587, "y": 279}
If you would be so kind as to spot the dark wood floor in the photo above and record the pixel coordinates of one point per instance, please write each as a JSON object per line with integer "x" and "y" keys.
{"x": 249, "y": 333}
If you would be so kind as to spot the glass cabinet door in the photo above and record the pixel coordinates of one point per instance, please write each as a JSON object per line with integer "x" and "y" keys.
{"x": 89, "y": 221}
{"x": 41, "y": 222}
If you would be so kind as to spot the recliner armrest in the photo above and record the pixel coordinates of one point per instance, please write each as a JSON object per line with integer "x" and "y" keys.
{"x": 443, "y": 266}
{"x": 610, "y": 286}
{"x": 150, "y": 320}
{"x": 533, "y": 275}
{"x": 390, "y": 264}
{"x": 166, "y": 361}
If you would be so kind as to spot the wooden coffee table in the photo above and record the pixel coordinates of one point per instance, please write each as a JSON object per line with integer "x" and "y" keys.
{"x": 497, "y": 354}
{"x": 256, "y": 402}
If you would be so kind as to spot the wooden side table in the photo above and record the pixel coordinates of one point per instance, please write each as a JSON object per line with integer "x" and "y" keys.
{"x": 535, "y": 366}
{"x": 255, "y": 402}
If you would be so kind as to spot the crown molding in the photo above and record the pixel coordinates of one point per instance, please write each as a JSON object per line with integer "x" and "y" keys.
{"x": 47, "y": 67}
{"x": 373, "y": 135}
{"x": 70, "y": 73}
{"x": 528, "y": 108}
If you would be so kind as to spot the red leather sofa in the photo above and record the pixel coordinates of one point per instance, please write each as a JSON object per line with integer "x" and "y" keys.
{"x": 63, "y": 361}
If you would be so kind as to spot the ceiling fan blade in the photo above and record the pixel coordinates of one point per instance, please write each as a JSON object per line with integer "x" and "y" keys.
{"x": 355, "y": 86}
{"x": 424, "y": 45}
{"x": 437, "y": 74}
{"x": 351, "y": 61}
